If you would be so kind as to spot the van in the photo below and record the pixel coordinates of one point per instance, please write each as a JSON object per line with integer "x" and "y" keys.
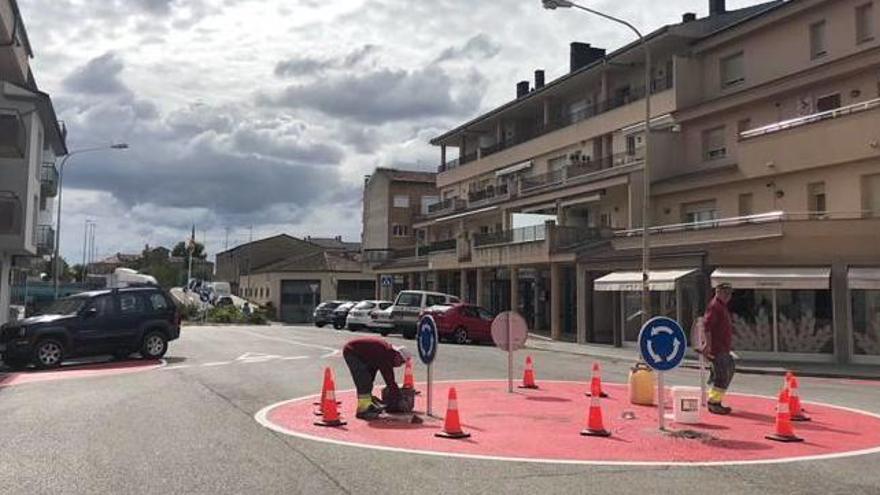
{"x": 408, "y": 305}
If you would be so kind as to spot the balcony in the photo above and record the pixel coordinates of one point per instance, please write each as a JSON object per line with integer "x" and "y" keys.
{"x": 44, "y": 239}
{"x": 445, "y": 207}
{"x": 13, "y": 134}
{"x": 534, "y": 244}
{"x": 844, "y": 135}
{"x": 488, "y": 196}
{"x": 561, "y": 122}
{"x": 49, "y": 180}
{"x": 581, "y": 172}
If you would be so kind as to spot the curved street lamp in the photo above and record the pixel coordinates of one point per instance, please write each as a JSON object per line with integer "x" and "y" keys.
{"x": 55, "y": 256}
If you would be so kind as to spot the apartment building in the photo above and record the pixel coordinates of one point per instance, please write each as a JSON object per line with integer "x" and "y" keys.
{"x": 30, "y": 140}
{"x": 765, "y": 172}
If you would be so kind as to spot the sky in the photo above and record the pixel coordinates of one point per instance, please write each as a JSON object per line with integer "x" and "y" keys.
{"x": 259, "y": 117}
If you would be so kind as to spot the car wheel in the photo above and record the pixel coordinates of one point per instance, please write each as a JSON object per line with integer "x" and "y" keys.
{"x": 154, "y": 345}
{"x": 460, "y": 336}
{"x": 384, "y": 333}
{"x": 337, "y": 326}
{"x": 320, "y": 325}
{"x": 48, "y": 353}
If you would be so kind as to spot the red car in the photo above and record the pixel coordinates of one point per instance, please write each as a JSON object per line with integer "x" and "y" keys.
{"x": 462, "y": 323}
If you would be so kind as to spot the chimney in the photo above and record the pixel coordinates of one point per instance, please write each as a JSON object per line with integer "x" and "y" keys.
{"x": 582, "y": 55}
{"x": 717, "y": 7}
{"x": 522, "y": 89}
{"x": 689, "y": 17}
{"x": 539, "y": 79}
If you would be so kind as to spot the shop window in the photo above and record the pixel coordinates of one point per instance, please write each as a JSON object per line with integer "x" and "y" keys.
{"x": 733, "y": 70}
{"x": 714, "y": 144}
{"x": 866, "y": 322}
{"x": 804, "y": 321}
{"x": 865, "y": 23}
{"x": 752, "y": 315}
{"x": 871, "y": 195}
{"x": 817, "y": 201}
{"x": 818, "y": 46}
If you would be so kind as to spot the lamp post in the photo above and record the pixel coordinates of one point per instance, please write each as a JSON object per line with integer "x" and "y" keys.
{"x": 56, "y": 258}
{"x": 646, "y": 170}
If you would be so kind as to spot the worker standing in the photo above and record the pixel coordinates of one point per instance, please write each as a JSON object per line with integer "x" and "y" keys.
{"x": 719, "y": 346}
{"x": 366, "y": 356}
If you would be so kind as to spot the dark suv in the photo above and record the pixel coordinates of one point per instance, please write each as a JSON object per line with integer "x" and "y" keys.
{"x": 323, "y": 314}
{"x": 118, "y": 322}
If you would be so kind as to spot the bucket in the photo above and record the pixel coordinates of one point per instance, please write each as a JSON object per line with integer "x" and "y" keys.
{"x": 642, "y": 385}
{"x": 686, "y": 405}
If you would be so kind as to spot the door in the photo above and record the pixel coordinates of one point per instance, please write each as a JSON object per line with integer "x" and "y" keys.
{"x": 299, "y": 298}
{"x": 132, "y": 314}
{"x": 93, "y": 334}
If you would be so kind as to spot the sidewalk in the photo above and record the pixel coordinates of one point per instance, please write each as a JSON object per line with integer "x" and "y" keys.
{"x": 630, "y": 355}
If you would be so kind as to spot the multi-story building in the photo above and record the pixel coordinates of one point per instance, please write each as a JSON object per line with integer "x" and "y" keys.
{"x": 30, "y": 139}
{"x": 765, "y": 172}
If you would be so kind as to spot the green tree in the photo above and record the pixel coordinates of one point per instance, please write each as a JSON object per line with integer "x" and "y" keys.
{"x": 198, "y": 252}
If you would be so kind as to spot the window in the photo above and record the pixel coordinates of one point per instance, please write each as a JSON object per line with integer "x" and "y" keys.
{"x": 130, "y": 303}
{"x": 817, "y": 201}
{"x": 158, "y": 302}
{"x": 104, "y": 305}
{"x": 398, "y": 230}
{"x": 703, "y": 211}
{"x": 434, "y": 300}
{"x": 410, "y": 299}
{"x": 630, "y": 145}
{"x": 401, "y": 201}
{"x": 828, "y": 103}
{"x": 865, "y": 23}
{"x": 817, "y": 40}
{"x": 746, "y": 206}
{"x": 743, "y": 125}
{"x": 733, "y": 70}
{"x": 865, "y": 306}
{"x": 714, "y": 144}
{"x": 871, "y": 195}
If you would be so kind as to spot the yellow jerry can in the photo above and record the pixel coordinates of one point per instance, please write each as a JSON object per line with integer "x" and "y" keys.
{"x": 642, "y": 385}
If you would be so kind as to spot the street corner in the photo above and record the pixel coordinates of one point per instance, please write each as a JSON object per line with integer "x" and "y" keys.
{"x": 550, "y": 425}
{"x": 77, "y": 370}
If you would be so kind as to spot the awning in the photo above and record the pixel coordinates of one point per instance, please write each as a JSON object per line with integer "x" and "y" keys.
{"x": 585, "y": 199}
{"x": 513, "y": 169}
{"x": 774, "y": 278}
{"x": 660, "y": 280}
{"x": 864, "y": 278}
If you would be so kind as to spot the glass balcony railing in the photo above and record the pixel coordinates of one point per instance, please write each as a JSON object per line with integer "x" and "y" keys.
{"x": 49, "y": 180}
{"x": 811, "y": 119}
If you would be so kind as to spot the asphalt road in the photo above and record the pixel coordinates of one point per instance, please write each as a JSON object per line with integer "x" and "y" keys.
{"x": 189, "y": 428}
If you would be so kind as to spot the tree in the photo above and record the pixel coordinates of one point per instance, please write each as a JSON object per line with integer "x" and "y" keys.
{"x": 180, "y": 250}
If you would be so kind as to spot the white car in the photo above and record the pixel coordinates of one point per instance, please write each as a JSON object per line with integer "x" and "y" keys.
{"x": 410, "y": 303}
{"x": 360, "y": 316}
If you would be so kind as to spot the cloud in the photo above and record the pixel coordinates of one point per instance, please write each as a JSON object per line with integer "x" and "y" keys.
{"x": 99, "y": 76}
{"x": 480, "y": 46}
{"x": 306, "y": 66}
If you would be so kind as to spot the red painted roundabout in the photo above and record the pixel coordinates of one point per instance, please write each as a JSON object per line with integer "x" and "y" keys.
{"x": 544, "y": 425}
{"x": 74, "y": 371}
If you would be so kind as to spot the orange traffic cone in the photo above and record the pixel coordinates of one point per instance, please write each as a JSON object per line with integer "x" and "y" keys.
{"x": 529, "y": 375}
{"x": 328, "y": 379}
{"x": 784, "y": 430}
{"x": 329, "y": 411}
{"x": 595, "y": 426}
{"x": 408, "y": 380}
{"x": 795, "y": 409}
{"x": 452, "y": 424}
{"x": 596, "y": 379}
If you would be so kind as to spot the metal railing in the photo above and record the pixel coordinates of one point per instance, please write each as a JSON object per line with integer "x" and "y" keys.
{"x": 446, "y": 245}
{"x": 533, "y": 233}
{"x": 761, "y": 218}
{"x": 564, "y": 120}
{"x": 44, "y": 238}
{"x": 49, "y": 180}
{"x": 572, "y": 236}
{"x": 580, "y": 170}
{"x": 499, "y": 192}
{"x": 811, "y": 119}
{"x": 448, "y": 205}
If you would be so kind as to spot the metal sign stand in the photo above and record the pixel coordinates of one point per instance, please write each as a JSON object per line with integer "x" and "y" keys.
{"x": 509, "y": 359}
{"x": 430, "y": 391}
{"x": 661, "y": 401}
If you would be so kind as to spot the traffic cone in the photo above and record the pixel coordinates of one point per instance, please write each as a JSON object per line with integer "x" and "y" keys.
{"x": 595, "y": 426}
{"x": 408, "y": 380}
{"x": 328, "y": 379}
{"x": 452, "y": 423}
{"x": 784, "y": 430}
{"x": 795, "y": 409}
{"x": 529, "y": 375}
{"x": 596, "y": 379}
{"x": 329, "y": 411}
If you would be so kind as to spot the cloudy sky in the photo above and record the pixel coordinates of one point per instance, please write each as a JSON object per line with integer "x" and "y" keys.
{"x": 268, "y": 113}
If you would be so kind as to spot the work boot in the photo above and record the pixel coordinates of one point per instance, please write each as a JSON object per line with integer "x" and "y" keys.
{"x": 718, "y": 408}
{"x": 369, "y": 413}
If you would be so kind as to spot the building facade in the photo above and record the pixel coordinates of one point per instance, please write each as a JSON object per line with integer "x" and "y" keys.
{"x": 765, "y": 172}
{"x": 31, "y": 137}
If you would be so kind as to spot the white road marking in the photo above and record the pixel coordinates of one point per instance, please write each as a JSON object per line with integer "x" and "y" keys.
{"x": 178, "y": 367}
{"x": 219, "y": 363}
{"x": 332, "y": 350}
{"x": 292, "y": 358}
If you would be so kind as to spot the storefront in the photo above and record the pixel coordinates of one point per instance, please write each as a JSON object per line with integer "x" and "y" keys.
{"x": 781, "y": 313}
{"x": 864, "y": 303}
{"x": 674, "y": 293}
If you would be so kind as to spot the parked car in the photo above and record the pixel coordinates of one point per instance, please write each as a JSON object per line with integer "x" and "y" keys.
{"x": 340, "y": 314}
{"x": 381, "y": 321}
{"x": 116, "y": 321}
{"x": 359, "y": 316}
{"x": 462, "y": 323}
{"x": 410, "y": 303}
{"x": 323, "y": 314}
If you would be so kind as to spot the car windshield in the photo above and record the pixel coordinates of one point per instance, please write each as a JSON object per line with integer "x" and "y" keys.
{"x": 409, "y": 299}
{"x": 328, "y": 305}
{"x": 66, "y": 306}
{"x": 365, "y": 305}
{"x": 385, "y": 305}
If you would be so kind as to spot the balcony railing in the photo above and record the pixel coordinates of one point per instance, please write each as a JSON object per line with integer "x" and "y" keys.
{"x": 49, "y": 180}
{"x": 45, "y": 239}
{"x": 565, "y": 237}
{"x": 446, "y": 245}
{"x": 449, "y": 205}
{"x": 564, "y": 120}
{"x": 489, "y": 195}
{"x": 579, "y": 171}
{"x": 811, "y": 119}
{"x": 514, "y": 236}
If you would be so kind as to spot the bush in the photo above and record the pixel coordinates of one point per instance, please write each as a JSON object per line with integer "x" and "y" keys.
{"x": 190, "y": 312}
{"x": 231, "y": 314}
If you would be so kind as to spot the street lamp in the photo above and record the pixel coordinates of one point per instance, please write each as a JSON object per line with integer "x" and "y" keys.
{"x": 55, "y": 256}
{"x": 646, "y": 171}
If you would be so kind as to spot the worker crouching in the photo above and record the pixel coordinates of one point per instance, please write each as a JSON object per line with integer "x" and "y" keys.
{"x": 365, "y": 357}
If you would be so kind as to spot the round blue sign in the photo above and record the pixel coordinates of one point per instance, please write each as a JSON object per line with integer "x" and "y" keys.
{"x": 427, "y": 339}
{"x": 662, "y": 343}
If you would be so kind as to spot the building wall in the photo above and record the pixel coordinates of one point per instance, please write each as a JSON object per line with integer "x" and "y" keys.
{"x": 270, "y": 283}
{"x": 376, "y": 223}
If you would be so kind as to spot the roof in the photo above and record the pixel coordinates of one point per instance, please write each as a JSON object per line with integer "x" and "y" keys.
{"x": 56, "y": 134}
{"x": 401, "y": 175}
{"x": 324, "y": 261}
{"x": 696, "y": 30}
{"x": 20, "y": 25}
{"x": 335, "y": 243}
{"x": 120, "y": 258}
{"x": 265, "y": 240}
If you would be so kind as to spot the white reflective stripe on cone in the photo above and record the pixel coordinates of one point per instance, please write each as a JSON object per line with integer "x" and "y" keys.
{"x": 453, "y": 405}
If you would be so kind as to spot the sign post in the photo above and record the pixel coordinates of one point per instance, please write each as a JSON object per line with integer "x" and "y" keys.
{"x": 662, "y": 344}
{"x": 509, "y": 332}
{"x": 427, "y": 340}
